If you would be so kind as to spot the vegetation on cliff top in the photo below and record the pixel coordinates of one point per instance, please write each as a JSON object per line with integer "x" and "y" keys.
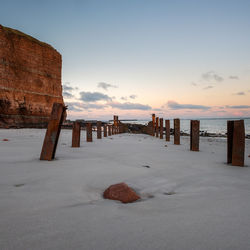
{"x": 19, "y": 33}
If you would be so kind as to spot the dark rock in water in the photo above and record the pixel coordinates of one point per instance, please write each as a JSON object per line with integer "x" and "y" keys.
{"x": 146, "y": 166}
{"x": 121, "y": 192}
{"x": 5, "y": 139}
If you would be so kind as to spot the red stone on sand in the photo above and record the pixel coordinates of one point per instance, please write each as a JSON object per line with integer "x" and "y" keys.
{"x": 121, "y": 192}
{"x": 5, "y": 140}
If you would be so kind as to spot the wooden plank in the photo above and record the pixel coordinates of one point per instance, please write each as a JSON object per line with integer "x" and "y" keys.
{"x": 238, "y": 152}
{"x": 89, "y": 132}
{"x": 53, "y": 132}
{"x": 194, "y": 135}
{"x": 177, "y": 131}
{"x": 76, "y": 134}
{"x": 167, "y": 127}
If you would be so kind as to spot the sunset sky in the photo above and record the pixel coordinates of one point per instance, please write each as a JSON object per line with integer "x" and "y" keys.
{"x": 175, "y": 58}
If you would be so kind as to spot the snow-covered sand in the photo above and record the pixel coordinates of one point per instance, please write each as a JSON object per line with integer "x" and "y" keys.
{"x": 191, "y": 200}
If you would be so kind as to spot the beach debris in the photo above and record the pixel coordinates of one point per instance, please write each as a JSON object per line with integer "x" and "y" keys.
{"x": 5, "y": 139}
{"x": 145, "y": 166}
{"x": 121, "y": 192}
{"x": 165, "y": 145}
{"x": 19, "y": 185}
{"x": 76, "y": 134}
{"x": 169, "y": 193}
{"x": 194, "y": 135}
{"x": 177, "y": 131}
{"x": 57, "y": 117}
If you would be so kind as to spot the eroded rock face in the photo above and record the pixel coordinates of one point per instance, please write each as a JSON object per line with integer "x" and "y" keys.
{"x": 30, "y": 79}
{"x": 121, "y": 192}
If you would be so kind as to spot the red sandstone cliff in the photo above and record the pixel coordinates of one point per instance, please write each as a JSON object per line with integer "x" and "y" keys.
{"x": 30, "y": 79}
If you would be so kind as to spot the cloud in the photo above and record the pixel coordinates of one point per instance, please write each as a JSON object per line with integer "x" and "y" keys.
{"x": 124, "y": 98}
{"x": 94, "y": 97}
{"x": 239, "y": 93}
{"x": 239, "y": 107}
{"x": 67, "y": 90}
{"x": 194, "y": 84}
{"x": 105, "y": 85}
{"x": 79, "y": 106}
{"x": 208, "y": 87}
{"x": 212, "y": 76}
{"x": 234, "y": 77}
{"x": 175, "y": 106}
{"x": 67, "y": 95}
{"x": 132, "y": 96}
{"x": 129, "y": 106}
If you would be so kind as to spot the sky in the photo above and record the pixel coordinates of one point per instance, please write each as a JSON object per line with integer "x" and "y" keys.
{"x": 132, "y": 58}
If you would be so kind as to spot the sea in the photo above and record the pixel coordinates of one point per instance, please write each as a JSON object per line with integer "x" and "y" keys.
{"x": 209, "y": 125}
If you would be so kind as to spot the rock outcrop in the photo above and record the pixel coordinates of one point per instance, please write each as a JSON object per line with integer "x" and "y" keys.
{"x": 30, "y": 80}
{"x": 121, "y": 192}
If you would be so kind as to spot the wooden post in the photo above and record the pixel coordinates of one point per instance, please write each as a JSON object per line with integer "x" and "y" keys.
{"x": 53, "y": 131}
{"x": 113, "y": 129}
{"x": 76, "y": 134}
{"x": 105, "y": 130}
{"x": 194, "y": 135}
{"x": 167, "y": 126}
{"x": 236, "y": 143}
{"x": 99, "y": 130}
{"x": 177, "y": 131}
{"x": 161, "y": 128}
{"x": 157, "y": 127}
{"x": 230, "y": 131}
{"x": 153, "y": 124}
{"x": 109, "y": 130}
{"x": 89, "y": 132}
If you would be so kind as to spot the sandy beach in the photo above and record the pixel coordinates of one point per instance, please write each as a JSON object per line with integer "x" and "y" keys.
{"x": 190, "y": 200}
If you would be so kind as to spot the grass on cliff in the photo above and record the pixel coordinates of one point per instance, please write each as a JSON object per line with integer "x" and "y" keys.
{"x": 19, "y": 33}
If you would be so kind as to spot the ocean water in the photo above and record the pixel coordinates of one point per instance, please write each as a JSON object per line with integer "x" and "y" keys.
{"x": 210, "y": 125}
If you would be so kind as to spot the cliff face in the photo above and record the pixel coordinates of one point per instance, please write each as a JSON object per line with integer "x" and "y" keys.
{"x": 30, "y": 79}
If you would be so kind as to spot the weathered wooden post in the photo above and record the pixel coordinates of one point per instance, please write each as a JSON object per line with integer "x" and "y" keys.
{"x": 236, "y": 142}
{"x": 157, "y": 127}
{"x": 153, "y": 124}
{"x": 99, "y": 130}
{"x": 89, "y": 132}
{"x": 167, "y": 127}
{"x": 161, "y": 128}
{"x": 113, "y": 129}
{"x": 177, "y": 131}
{"x": 53, "y": 131}
{"x": 194, "y": 135}
{"x": 109, "y": 130}
{"x": 76, "y": 134}
{"x": 105, "y": 130}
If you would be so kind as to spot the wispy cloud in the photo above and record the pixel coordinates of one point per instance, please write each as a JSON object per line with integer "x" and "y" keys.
{"x": 174, "y": 105}
{"x": 129, "y": 106}
{"x": 67, "y": 95}
{"x": 79, "y": 106}
{"x": 234, "y": 77}
{"x": 212, "y": 76}
{"x": 94, "y": 97}
{"x": 67, "y": 90}
{"x": 105, "y": 85}
{"x": 208, "y": 87}
{"x": 239, "y": 93}
{"x": 239, "y": 107}
{"x": 132, "y": 96}
{"x": 124, "y": 98}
